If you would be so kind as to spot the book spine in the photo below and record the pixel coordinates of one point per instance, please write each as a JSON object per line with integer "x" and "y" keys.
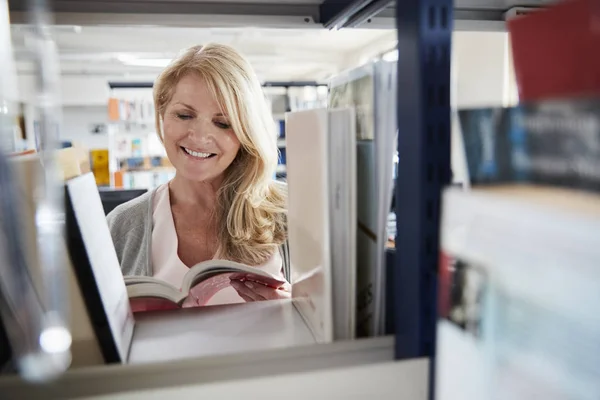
{"x": 555, "y": 144}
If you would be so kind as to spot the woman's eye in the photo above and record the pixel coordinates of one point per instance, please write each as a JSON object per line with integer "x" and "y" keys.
{"x": 222, "y": 125}
{"x": 184, "y": 116}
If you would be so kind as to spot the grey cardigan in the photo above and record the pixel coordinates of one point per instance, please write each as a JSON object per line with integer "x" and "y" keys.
{"x": 130, "y": 226}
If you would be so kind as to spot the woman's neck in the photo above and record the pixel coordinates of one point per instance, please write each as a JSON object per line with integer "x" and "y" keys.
{"x": 184, "y": 192}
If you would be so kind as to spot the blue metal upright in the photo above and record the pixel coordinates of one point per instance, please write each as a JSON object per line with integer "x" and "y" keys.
{"x": 424, "y": 43}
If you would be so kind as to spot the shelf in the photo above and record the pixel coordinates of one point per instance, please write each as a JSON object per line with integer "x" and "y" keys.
{"x": 281, "y": 168}
{"x": 248, "y": 366}
{"x": 217, "y": 330}
{"x": 403, "y": 380}
{"x": 281, "y": 143}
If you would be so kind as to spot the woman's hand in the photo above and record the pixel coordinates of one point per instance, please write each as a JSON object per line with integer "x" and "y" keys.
{"x": 254, "y": 291}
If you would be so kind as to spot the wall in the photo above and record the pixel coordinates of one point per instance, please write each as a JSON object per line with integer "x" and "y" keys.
{"x": 482, "y": 70}
{"x": 83, "y": 90}
{"x": 482, "y": 76}
{"x": 76, "y": 126}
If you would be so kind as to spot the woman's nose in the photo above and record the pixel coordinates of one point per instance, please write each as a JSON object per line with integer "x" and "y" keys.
{"x": 202, "y": 129}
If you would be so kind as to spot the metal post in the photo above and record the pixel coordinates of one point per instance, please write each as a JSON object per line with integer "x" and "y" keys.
{"x": 424, "y": 43}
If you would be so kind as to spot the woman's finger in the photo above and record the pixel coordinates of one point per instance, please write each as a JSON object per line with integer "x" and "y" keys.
{"x": 244, "y": 290}
{"x": 246, "y": 298}
{"x": 266, "y": 292}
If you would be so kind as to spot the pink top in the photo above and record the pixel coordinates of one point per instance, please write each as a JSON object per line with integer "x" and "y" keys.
{"x": 168, "y": 267}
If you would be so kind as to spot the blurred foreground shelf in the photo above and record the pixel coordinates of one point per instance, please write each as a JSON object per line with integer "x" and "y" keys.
{"x": 274, "y": 371}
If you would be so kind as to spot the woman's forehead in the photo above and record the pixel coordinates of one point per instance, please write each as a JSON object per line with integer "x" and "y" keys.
{"x": 193, "y": 91}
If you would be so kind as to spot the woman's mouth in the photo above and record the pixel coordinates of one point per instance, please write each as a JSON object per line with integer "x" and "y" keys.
{"x": 197, "y": 154}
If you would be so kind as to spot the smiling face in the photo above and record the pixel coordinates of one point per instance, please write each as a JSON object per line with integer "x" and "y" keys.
{"x": 198, "y": 138}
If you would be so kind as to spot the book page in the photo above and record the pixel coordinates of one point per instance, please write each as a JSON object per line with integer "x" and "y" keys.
{"x": 208, "y": 269}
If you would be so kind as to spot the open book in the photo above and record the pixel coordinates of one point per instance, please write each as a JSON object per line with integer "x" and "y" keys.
{"x": 204, "y": 280}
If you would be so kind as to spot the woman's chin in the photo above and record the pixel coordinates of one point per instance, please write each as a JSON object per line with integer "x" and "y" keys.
{"x": 200, "y": 174}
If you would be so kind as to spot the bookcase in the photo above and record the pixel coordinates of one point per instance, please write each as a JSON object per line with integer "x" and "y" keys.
{"x": 424, "y": 29}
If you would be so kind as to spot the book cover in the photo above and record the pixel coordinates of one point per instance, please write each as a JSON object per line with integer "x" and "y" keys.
{"x": 555, "y": 50}
{"x": 553, "y": 143}
{"x": 308, "y": 219}
{"x": 96, "y": 269}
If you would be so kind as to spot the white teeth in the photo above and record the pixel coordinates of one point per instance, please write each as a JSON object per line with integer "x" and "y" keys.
{"x": 196, "y": 154}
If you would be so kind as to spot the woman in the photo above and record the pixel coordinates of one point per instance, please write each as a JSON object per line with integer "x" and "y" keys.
{"x": 218, "y": 132}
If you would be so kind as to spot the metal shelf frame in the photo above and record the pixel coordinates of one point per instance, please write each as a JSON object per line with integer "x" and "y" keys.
{"x": 480, "y": 15}
{"x": 424, "y": 44}
{"x": 424, "y": 29}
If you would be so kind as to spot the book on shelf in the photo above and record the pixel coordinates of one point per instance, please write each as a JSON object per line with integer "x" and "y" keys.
{"x": 321, "y": 173}
{"x": 555, "y": 50}
{"x": 554, "y": 143}
{"x": 100, "y": 320}
{"x": 519, "y": 278}
{"x": 518, "y": 293}
{"x": 148, "y": 293}
{"x": 371, "y": 91}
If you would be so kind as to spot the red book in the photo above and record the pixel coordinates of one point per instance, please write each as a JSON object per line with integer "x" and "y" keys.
{"x": 556, "y": 51}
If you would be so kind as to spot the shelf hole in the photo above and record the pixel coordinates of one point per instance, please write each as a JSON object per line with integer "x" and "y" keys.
{"x": 442, "y": 173}
{"x": 445, "y": 58}
{"x": 433, "y": 54}
{"x": 430, "y": 173}
{"x": 430, "y": 135}
{"x": 431, "y": 17}
{"x": 442, "y": 133}
{"x": 442, "y": 94}
{"x": 429, "y": 209}
{"x": 431, "y": 96}
{"x": 429, "y": 245}
{"x": 444, "y": 18}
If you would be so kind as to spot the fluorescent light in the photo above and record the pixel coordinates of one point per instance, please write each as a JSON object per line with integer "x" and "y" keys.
{"x": 144, "y": 62}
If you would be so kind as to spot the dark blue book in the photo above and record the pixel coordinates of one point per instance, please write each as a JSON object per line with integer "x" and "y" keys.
{"x": 548, "y": 143}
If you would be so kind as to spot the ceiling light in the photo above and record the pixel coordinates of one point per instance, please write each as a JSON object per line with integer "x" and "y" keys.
{"x": 143, "y": 62}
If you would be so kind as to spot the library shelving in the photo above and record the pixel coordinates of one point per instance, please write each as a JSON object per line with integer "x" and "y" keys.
{"x": 424, "y": 29}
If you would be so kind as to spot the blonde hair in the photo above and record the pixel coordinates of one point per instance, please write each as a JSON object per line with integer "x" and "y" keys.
{"x": 251, "y": 209}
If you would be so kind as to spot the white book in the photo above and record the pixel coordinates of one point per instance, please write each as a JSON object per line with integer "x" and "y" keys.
{"x": 321, "y": 164}
{"x": 342, "y": 208}
{"x": 141, "y": 289}
{"x": 96, "y": 269}
{"x": 386, "y": 133}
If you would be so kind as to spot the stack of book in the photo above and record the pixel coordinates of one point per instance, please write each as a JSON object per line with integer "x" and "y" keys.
{"x": 520, "y": 269}
{"x": 345, "y": 155}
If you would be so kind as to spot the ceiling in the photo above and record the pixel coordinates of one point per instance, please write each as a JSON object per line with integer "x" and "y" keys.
{"x": 142, "y": 51}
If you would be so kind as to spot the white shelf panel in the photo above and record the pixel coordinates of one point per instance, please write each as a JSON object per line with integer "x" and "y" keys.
{"x": 391, "y": 380}
{"x": 207, "y": 331}
{"x": 222, "y": 370}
